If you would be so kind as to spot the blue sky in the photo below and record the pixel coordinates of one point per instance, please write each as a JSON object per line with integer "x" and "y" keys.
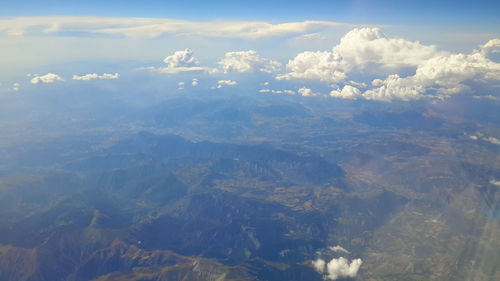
{"x": 382, "y": 50}
{"x": 464, "y": 13}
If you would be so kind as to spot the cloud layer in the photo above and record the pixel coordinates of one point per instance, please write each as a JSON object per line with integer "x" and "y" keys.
{"x": 156, "y": 27}
{"x": 386, "y": 68}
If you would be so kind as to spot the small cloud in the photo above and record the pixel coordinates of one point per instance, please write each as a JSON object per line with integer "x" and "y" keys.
{"x": 179, "y": 61}
{"x": 265, "y": 83}
{"x": 480, "y": 136}
{"x": 222, "y": 83}
{"x": 339, "y": 249}
{"x": 248, "y": 61}
{"x": 46, "y": 79}
{"x": 15, "y": 87}
{"x": 357, "y": 84}
{"x": 194, "y": 82}
{"x": 495, "y": 182}
{"x": 310, "y": 36}
{"x": 181, "y": 85}
{"x": 338, "y": 268}
{"x": 182, "y": 58}
{"x": 306, "y": 92}
{"x": 348, "y": 92}
{"x": 492, "y": 140}
{"x": 286, "y": 92}
{"x": 93, "y": 76}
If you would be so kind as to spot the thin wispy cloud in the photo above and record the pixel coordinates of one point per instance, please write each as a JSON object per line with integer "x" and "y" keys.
{"x": 156, "y": 27}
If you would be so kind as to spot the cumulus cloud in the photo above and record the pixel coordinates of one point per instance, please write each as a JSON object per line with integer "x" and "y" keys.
{"x": 194, "y": 82}
{"x": 347, "y": 92}
{"x": 490, "y": 47}
{"x": 222, "y": 83}
{"x": 156, "y": 27}
{"x": 323, "y": 66}
{"x": 359, "y": 49}
{"x": 440, "y": 76}
{"x": 319, "y": 265}
{"x": 338, "y": 268}
{"x": 179, "y": 61}
{"x": 248, "y": 61}
{"x": 306, "y": 92}
{"x": 364, "y": 47}
{"x": 46, "y": 79}
{"x": 93, "y": 76}
{"x": 368, "y": 50}
{"x": 182, "y": 58}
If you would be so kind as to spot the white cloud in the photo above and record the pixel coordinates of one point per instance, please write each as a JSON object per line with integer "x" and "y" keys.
{"x": 323, "y": 66}
{"x": 222, "y": 83}
{"x": 492, "y": 140}
{"x": 487, "y": 97}
{"x": 338, "y": 268}
{"x": 360, "y": 49}
{"x": 348, "y": 92}
{"x": 155, "y": 27}
{"x": 181, "y": 85}
{"x": 339, "y": 249}
{"x": 92, "y": 76}
{"x": 179, "y": 61}
{"x": 490, "y": 47}
{"x": 357, "y": 84}
{"x": 47, "y": 78}
{"x": 319, "y": 265}
{"x": 480, "y": 136}
{"x": 364, "y": 47}
{"x": 440, "y": 77}
{"x": 367, "y": 50}
{"x": 495, "y": 182}
{"x": 248, "y": 61}
{"x": 15, "y": 87}
{"x": 182, "y": 58}
{"x": 194, "y": 82}
{"x": 306, "y": 92}
{"x": 287, "y": 92}
{"x": 309, "y": 36}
